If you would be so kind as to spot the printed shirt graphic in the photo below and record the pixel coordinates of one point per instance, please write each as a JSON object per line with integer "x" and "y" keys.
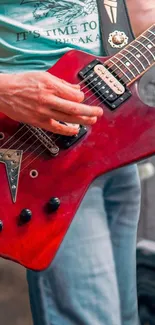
{"x": 36, "y": 33}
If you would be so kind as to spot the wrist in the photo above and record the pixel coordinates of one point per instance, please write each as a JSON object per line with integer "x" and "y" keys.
{"x": 5, "y": 82}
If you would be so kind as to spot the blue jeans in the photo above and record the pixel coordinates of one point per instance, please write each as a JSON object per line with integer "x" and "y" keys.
{"x": 92, "y": 279}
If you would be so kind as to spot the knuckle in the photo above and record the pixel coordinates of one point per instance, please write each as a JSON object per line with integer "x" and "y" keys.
{"x": 39, "y": 110}
{"x": 59, "y": 129}
{"x": 80, "y": 97}
{"x": 50, "y": 80}
{"x": 74, "y": 110}
{"x": 42, "y": 98}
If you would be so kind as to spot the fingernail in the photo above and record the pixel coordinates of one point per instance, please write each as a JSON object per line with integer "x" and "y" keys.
{"x": 77, "y": 86}
{"x": 73, "y": 125}
{"x": 94, "y": 120}
{"x": 76, "y": 126}
{"x": 100, "y": 111}
{"x": 81, "y": 94}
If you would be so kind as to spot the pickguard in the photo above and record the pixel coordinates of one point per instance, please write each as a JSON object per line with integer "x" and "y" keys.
{"x": 12, "y": 160}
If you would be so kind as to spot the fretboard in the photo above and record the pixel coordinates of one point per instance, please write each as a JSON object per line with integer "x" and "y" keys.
{"x": 132, "y": 61}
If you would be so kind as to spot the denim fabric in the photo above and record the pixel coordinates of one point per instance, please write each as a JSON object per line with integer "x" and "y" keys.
{"x": 92, "y": 279}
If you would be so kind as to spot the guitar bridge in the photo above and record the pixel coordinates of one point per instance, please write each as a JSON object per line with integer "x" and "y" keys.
{"x": 44, "y": 139}
{"x": 105, "y": 84}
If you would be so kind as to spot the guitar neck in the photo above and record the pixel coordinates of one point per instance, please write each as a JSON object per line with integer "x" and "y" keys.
{"x": 136, "y": 58}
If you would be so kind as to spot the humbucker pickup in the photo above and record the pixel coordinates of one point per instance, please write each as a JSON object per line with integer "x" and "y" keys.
{"x": 106, "y": 85}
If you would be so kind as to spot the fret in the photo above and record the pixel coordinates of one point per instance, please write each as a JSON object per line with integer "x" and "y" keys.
{"x": 121, "y": 61}
{"x": 129, "y": 62}
{"x": 149, "y": 47}
{"x": 138, "y": 54}
{"x": 147, "y": 50}
{"x": 133, "y": 60}
{"x": 151, "y": 37}
{"x": 150, "y": 31}
{"x": 152, "y": 28}
{"x": 148, "y": 40}
{"x": 123, "y": 74}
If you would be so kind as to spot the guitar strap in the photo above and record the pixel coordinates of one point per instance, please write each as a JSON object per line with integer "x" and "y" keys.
{"x": 116, "y": 31}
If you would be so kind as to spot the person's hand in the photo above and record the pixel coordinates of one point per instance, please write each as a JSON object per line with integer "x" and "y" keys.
{"x": 41, "y": 99}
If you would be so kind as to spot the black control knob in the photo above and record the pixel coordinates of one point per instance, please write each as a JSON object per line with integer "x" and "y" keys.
{"x": 25, "y": 216}
{"x": 53, "y": 204}
{"x": 1, "y": 225}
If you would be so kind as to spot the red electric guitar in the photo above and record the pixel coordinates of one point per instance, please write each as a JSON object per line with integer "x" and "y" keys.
{"x": 45, "y": 176}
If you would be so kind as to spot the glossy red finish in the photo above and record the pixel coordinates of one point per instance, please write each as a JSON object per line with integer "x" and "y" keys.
{"x": 118, "y": 138}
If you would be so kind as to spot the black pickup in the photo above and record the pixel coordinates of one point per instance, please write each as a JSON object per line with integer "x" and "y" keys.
{"x": 68, "y": 141}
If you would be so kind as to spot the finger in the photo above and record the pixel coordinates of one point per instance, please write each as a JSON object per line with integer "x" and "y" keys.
{"x": 69, "y": 84}
{"x": 63, "y": 129}
{"x": 66, "y": 82}
{"x": 72, "y": 108}
{"x": 63, "y": 90}
{"x": 84, "y": 120}
{"x": 58, "y": 128}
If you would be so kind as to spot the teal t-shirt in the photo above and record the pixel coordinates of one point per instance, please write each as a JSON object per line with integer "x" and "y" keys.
{"x": 34, "y": 34}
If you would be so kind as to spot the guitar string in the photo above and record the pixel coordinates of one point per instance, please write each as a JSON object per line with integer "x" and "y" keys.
{"x": 92, "y": 89}
{"x": 33, "y": 134}
{"x": 31, "y": 160}
{"x": 25, "y": 142}
{"x": 83, "y": 81}
{"x": 81, "y": 89}
{"x": 45, "y": 149}
{"x": 12, "y": 136}
{"x": 24, "y": 125}
{"x": 33, "y": 152}
{"x": 96, "y": 77}
{"x": 9, "y": 148}
{"x": 147, "y": 31}
{"x": 124, "y": 56}
{"x": 37, "y": 155}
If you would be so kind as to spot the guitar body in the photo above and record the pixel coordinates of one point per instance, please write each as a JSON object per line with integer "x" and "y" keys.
{"x": 120, "y": 137}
